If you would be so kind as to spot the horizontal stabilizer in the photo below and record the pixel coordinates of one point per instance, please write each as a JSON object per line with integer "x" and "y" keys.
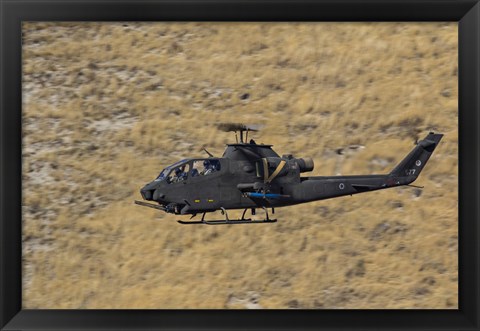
{"x": 364, "y": 186}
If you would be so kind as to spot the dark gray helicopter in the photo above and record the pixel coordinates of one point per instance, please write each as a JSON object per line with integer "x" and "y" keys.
{"x": 251, "y": 176}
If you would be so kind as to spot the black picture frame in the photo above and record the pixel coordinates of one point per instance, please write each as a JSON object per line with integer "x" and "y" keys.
{"x": 13, "y": 12}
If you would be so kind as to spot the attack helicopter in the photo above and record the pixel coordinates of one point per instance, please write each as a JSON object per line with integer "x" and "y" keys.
{"x": 253, "y": 176}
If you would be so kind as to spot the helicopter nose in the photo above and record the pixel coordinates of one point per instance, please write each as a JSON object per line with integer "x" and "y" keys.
{"x": 147, "y": 191}
{"x": 159, "y": 196}
{"x": 146, "y": 194}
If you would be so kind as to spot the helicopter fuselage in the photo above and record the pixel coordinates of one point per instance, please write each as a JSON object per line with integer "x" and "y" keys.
{"x": 250, "y": 176}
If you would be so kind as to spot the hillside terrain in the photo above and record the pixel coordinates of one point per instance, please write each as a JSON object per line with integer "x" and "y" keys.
{"x": 106, "y": 106}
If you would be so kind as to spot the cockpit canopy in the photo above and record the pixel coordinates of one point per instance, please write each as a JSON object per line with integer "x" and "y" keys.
{"x": 165, "y": 172}
{"x": 186, "y": 168}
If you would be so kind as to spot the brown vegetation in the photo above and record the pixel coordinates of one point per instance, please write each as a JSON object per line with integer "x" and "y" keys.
{"x": 107, "y": 105}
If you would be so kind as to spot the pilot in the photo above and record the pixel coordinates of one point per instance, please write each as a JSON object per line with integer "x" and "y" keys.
{"x": 178, "y": 175}
{"x": 183, "y": 174}
{"x": 207, "y": 167}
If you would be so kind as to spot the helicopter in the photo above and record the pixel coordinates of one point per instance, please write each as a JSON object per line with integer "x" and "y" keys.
{"x": 253, "y": 176}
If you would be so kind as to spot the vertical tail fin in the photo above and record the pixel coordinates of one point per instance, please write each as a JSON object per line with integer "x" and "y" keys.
{"x": 413, "y": 163}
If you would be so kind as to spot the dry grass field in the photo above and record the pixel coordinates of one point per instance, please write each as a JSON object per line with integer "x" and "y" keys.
{"x": 106, "y": 106}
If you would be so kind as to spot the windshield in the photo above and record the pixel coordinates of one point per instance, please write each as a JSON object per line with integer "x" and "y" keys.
{"x": 162, "y": 175}
{"x": 167, "y": 170}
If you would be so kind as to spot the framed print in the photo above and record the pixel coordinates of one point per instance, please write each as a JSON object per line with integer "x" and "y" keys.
{"x": 116, "y": 125}
{"x": 141, "y": 190}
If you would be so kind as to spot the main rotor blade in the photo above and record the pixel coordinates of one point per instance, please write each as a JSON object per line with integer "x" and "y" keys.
{"x": 210, "y": 154}
{"x": 265, "y": 170}
{"x": 227, "y": 127}
{"x": 276, "y": 172}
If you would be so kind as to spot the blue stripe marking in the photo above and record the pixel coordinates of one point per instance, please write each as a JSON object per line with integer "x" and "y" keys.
{"x": 261, "y": 195}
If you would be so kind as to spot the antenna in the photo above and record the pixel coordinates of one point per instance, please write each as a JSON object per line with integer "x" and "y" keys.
{"x": 210, "y": 154}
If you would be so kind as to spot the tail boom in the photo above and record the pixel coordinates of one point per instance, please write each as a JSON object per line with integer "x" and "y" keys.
{"x": 406, "y": 172}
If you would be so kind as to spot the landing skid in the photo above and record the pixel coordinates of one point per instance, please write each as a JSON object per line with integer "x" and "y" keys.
{"x": 191, "y": 222}
{"x": 219, "y": 222}
{"x": 228, "y": 221}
